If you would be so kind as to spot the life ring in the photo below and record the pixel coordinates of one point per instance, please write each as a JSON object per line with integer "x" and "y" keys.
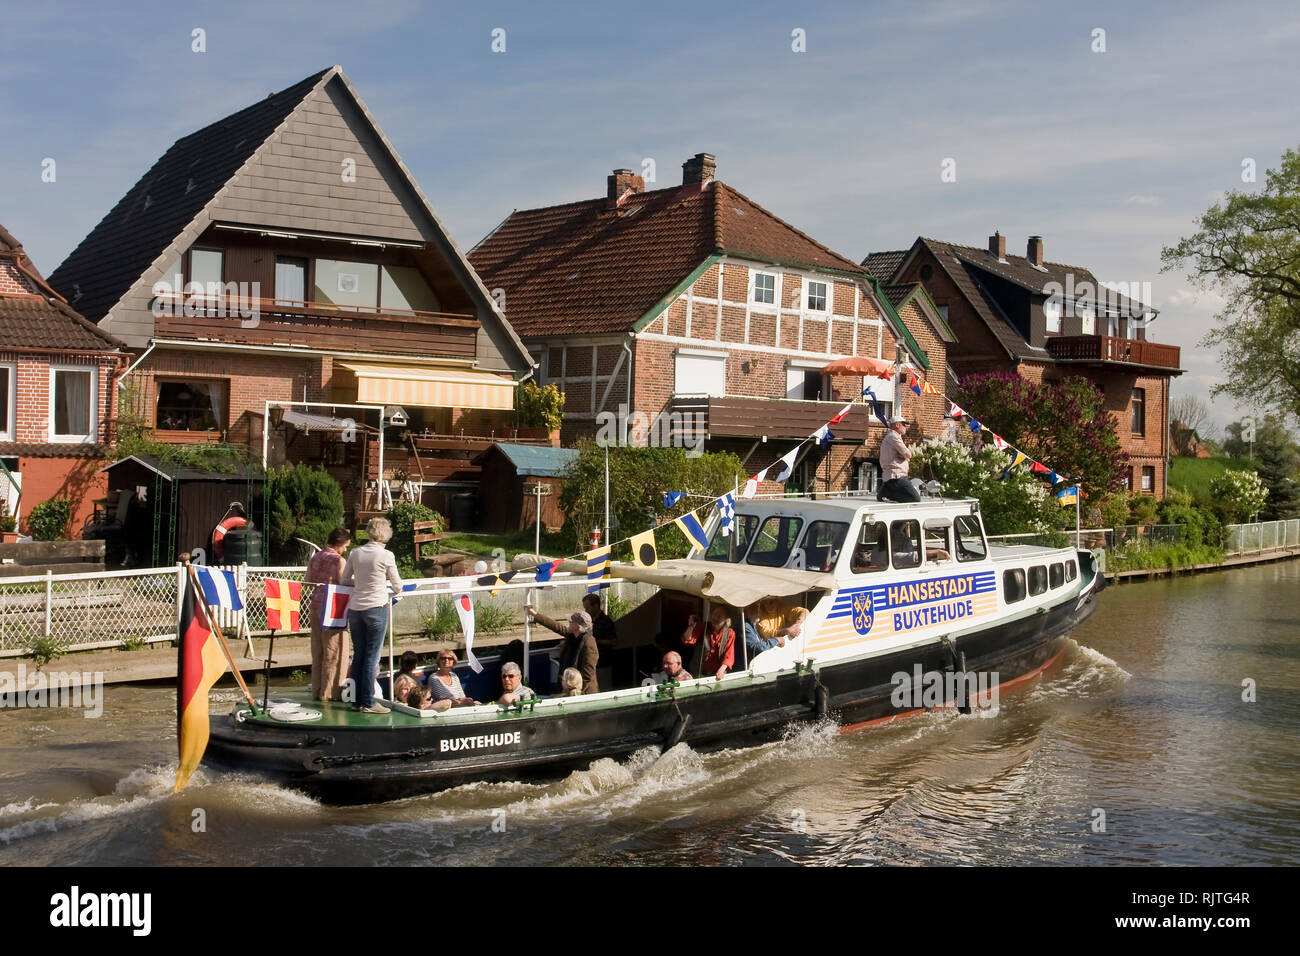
{"x": 219, "y": 534}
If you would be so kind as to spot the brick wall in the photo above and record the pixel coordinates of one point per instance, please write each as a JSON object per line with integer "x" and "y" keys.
{"x": 32, "y": 421}
{"x": 13, "y": 281}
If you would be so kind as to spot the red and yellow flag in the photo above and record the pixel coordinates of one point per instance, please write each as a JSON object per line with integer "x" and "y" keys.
{"x": 283, "y": 603}
{"x": 200, "y": 664}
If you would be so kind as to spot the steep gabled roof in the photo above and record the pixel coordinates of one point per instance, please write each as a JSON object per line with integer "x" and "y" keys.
{"x": 900, "y": 295}
{"x": 883, "y": 265}
{"x": 165, "y": 199}
{"x": 590, "y": 267}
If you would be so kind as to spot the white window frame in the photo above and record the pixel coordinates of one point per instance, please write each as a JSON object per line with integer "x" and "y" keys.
{"x": 807, "y": 296}
{"x": 707, "y": 354}
{"x": 93, "y": 421}
{"x": 802, "y": 367}
{"x": 1087, "y": 320}
{"x": 1052, "y": 314}
{"x": 753, "y": 289}
{"x": 9, "y": 428}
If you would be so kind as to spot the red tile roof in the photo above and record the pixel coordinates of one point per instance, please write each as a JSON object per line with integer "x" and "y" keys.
{"x": 589, "y": 267}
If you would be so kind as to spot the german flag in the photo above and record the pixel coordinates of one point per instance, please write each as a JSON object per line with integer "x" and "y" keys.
{"x": 199, "y": 665}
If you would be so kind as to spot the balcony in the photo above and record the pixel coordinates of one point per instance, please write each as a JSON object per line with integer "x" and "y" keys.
{"x": 1111, "y": 350}
{"x": 277, "y": 322}
{"x": 731, "y": 416}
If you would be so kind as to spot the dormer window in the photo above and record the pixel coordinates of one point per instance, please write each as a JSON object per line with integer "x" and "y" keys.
{"x": 816, "y": 301}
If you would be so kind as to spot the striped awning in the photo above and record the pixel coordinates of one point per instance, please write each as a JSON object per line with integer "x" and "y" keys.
{"x": 431, "y": 387}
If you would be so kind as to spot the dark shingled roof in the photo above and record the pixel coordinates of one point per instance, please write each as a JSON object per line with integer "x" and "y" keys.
{"x": 883, "y": 265}
{"x": 164, "y": 201}
{"x": 51, "y": 450}
{"x": 585, "y": 268}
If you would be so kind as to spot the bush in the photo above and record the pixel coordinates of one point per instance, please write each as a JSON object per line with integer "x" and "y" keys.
{"x": 306, "y": 503}
{"x": 1020, "y": 504}
{"x": 488, "y": 619}
{"x": 540, "y": 406}
{"x": 1241, "y": 493}
{"x": 1142, "y": 509}
{"x": 403, "y": 516}
{"x": 48, "y": 521}
{"x": 46, "y": 649}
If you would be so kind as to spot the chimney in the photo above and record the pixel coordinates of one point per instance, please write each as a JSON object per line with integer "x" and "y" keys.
{"x": 998, "y": 246}
{"x": 699, "y": 169}
{"x": 620, "y": 181}
{"x": 1034, "y": 251}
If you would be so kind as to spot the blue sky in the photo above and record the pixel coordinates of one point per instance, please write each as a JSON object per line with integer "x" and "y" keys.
{"x": 1109, "y": 156}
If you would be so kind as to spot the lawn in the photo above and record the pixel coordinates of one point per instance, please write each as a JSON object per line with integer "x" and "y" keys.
{"x": 1195, "y": 474}
{"x": 511, "y": 543}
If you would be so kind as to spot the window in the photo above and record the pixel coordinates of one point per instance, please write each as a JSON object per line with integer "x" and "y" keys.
{"x": 1149, "y": 479}
{"x": 822, "y": 543}
{"x": 943, "y": 311}
{"x": 290, "y": 280}
{"x": 1088, "y": 325}
{"x": 346, "y": 284}
{"x": 206, "y": 267}
{"x": 403, "y": 287}
{"x": 1052, "y": 313}
{"x": 883, "y": 389}
{"x": 72, "y": 403}
{"x": 1138, "y": 408}
{"x": 7, "y": 402}
{"x": 775, "y": 541}
{"x": 816, "y": 296}
{"x": 1037, "y": 579}
{"x": 927, "y": 272}
{"x": 905, "y": 542}
{"x": 970, "y": 539}
{"x": 1056, "y": 575}
{"x": 732, "y": 547}
{"x": 871, "y": 553}
{"x": 1112, "y": 325}
{"x": 808, "y": 384}
{"x": 1126, "y": 479}
{"x": 191, "y": 406}
{"x": 1071, "y": 571}
{"x": 764, "y": 288}
{"x": 937, "y": 548}
{"x": 1013, "y": 585}
{"x": 700, "y": 373}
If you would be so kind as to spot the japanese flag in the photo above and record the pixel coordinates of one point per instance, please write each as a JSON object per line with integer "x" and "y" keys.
{"x": 465, "y": 608}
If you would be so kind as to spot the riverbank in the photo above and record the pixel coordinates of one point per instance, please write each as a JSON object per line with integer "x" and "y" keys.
{"x": 1237, "y": 561}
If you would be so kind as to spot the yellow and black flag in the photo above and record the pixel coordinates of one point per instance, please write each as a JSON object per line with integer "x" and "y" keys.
{"x": 644, "y": 553}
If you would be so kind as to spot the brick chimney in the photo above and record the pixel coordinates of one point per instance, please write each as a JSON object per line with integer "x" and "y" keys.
{"x": 699, "y": 169}
{"x": 620, "y": 181}
{"x": 998, "y": 246}
{"x": 1034, "y": 250}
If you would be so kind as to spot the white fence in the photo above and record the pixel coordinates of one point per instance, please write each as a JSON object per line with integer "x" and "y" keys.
{"x": 114, "y": 608}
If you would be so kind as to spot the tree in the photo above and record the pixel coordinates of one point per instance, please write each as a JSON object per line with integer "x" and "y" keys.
{"x": 1247, "y": 247}
{"x": 1277, "y": 465}
{"x": 1020, "y": 503}
{"x": 305, "y": 503}
{"x": 1187, "y": 416}
{"x": 1241, "y": 493}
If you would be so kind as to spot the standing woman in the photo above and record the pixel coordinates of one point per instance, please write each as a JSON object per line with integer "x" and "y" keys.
{"x": 370, "y": 569}
{"x": 331, "y": 650}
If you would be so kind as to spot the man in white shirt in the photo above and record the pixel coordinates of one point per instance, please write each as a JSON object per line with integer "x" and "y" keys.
{"x": 894, "y": 468}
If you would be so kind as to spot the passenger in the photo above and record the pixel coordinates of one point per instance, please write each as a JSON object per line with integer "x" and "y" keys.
{"x": 514, "y": 652}
{"x": 872, "y": 555}
{"x": 779, "y": 622}
{"x": 370, "y": 570}
{"x": 672, "y": 671}
{"x": 445, "y": 685}
{"x": 579, "y": 648}
{"x": 720, "y": 649}
{"x": 602, "y": 625}
{"x": 421, "y": 699}
{"x": 512, "y": 685}
{"x": 406, "y": 678}
{"x": 571, "y": 682}
{"x": 331, "y": 648}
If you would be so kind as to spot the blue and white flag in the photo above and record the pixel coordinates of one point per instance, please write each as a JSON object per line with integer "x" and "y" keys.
{"x": 219, "y": 588}
{"x": 672, "y": 497}
{"x": 786, "y": 464}
{"x": 693, "y": 530}
{"x": 727, "y": 512}
{"x": 396, "y": 597}
{"x": 823, "y": 435}
{"x": 876, "y": 408}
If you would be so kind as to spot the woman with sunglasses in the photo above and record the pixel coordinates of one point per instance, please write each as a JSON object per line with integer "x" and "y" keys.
{"x": 445, "y": 685}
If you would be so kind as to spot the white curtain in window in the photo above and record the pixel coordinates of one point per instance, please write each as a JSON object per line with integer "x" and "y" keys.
{"x": 72, "y": 403}
{"x": 216, "y": 392}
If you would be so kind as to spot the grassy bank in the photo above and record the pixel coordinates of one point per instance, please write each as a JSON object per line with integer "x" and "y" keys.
{"x": 1195, "y": 474}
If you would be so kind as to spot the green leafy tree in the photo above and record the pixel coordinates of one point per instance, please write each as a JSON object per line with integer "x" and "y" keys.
{"x": 306, "y": 503}
{"x": 1247, "y": 248}
{"x": 1240, "y": 493}
{"x": 540, "y": 406}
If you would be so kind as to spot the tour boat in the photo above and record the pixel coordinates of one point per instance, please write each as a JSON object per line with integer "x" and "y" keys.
{"x": 907, "y": 606}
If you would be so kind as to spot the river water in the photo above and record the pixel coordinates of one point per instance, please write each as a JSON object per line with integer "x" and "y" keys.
{"x": 1137, "y": 749}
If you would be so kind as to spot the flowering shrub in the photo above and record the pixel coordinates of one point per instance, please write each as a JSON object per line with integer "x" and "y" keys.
{"x": 1240, "y": 492}
{"x": 1021, "y": 503}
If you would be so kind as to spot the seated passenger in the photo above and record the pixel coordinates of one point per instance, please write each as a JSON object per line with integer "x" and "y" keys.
{"x": 420, "y": 699}
{"x": 445, "y": 685}
{"x": 672, "y": 671}
{"x": 775, "y": 622}
{"x": 571, "y": 682}
{"x": 406, "y": 679}
{"x": 512, "y": 685}
{"x": 872, "y": 552}
{"x": 720, "y": 646}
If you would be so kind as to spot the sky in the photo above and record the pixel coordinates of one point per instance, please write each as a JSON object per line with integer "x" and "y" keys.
{"x": 1109, "y": 154}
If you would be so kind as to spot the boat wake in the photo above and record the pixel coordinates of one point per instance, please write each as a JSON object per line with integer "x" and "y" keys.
{"x": 132, "y": 794}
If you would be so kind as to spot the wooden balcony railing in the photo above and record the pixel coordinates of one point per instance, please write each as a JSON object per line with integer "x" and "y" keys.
{"x": 734, "y": 416}
{"x": 1109, "y": 348}
{"x": 250, "y": 321}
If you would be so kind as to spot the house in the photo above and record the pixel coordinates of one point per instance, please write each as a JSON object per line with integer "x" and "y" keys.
{"x": 286, "y": 287}
{"x": 692, "y": 315}
{"x": 58, "y": 388}
{"x": 510, "y": 479}
{"x": 1045, "y": 321}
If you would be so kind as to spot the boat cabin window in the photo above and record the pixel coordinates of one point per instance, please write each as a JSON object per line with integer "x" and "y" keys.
{"x": 1071, "y": 572}
{"x": 905, "y": 543}
{"x": 1056, "y": 573}
{"x": 1037, "y": 579}
{"x": 732, "y": 547}
{"x": 937, "y": 546}
{"x": 1013, "y": 585}
{"x": 775, "y": 540}
{"x": 822, "y": 544}
{"x": 871, "y": 553}
{"x": 970, "y": 538}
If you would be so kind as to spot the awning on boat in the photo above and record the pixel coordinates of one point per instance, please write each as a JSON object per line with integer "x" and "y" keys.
{"x": 431, "y": 387}
{"x": 736, "y": 584}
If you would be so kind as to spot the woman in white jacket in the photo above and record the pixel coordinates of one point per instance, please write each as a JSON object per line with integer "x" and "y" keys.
{"x": 370, "y": 569}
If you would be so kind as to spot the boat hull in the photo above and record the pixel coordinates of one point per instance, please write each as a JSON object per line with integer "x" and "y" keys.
{"x": 364, "y": 763}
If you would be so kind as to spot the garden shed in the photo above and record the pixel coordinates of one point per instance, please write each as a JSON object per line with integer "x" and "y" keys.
{"x": 509, "y": 472}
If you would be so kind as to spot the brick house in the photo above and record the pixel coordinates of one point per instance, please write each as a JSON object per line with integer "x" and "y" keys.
{"x": 287, "y": 287}
{"x": 58, "y": 387}
{"x": 694, "y": 300}
{"x": 1045, "y": 321}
